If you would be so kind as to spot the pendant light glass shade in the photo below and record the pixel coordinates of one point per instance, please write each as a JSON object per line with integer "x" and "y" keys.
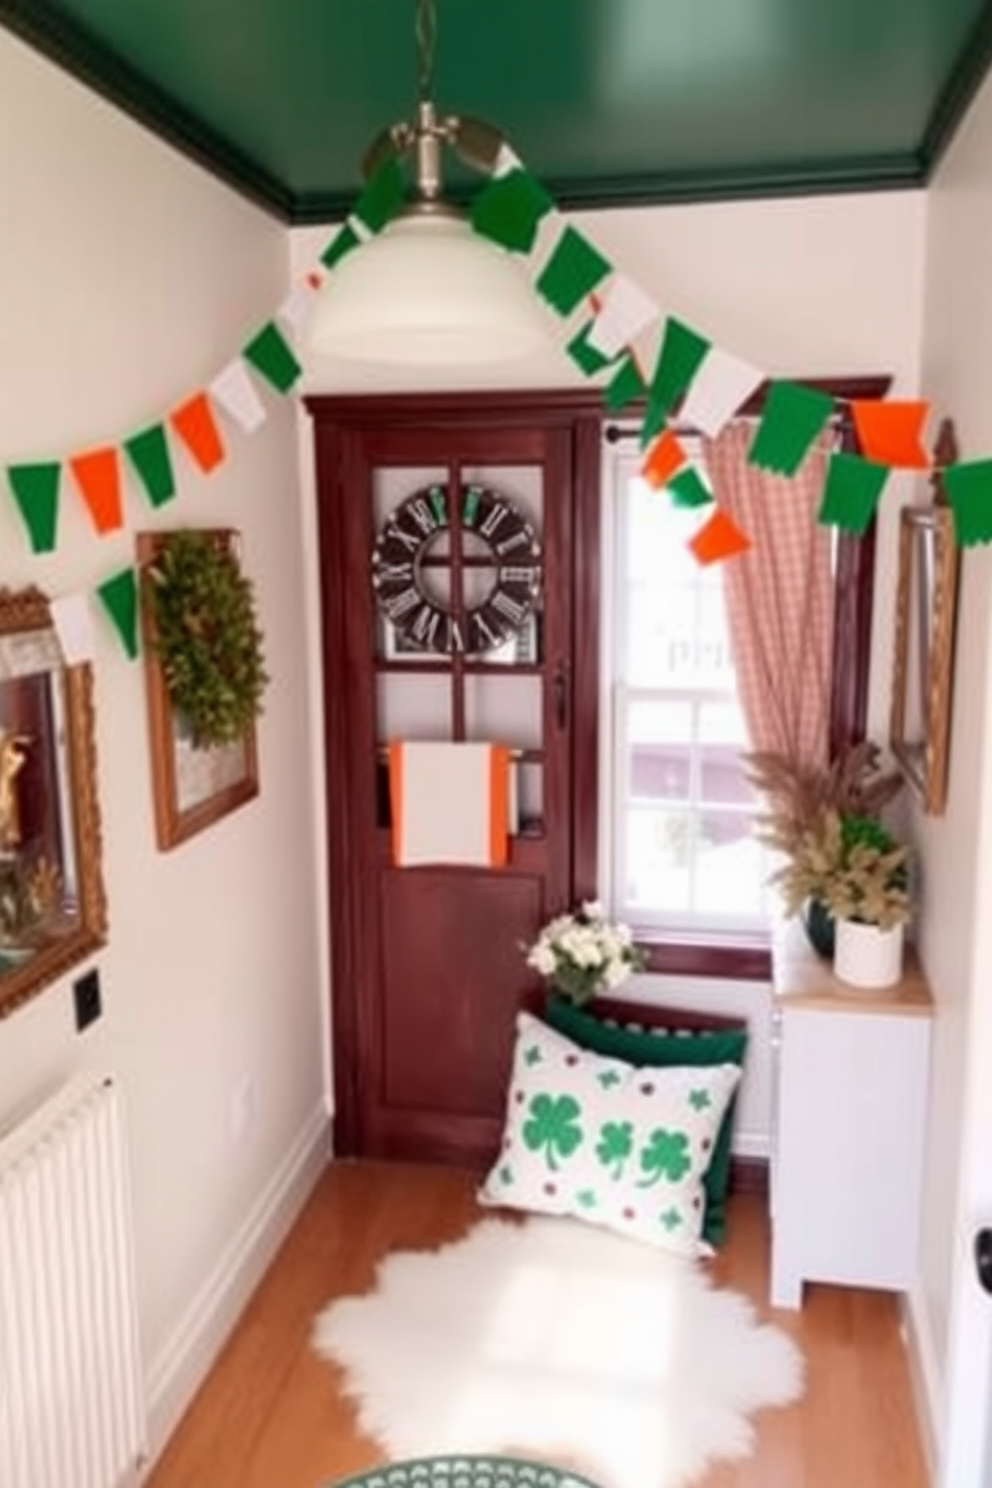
{"x": 429, "y": 291}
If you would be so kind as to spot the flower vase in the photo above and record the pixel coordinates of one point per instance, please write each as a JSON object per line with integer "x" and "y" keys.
{"x": 867, "y": 956}
{"x": 818, "y": 924}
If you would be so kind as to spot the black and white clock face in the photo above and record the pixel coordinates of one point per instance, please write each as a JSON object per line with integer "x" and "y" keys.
{"x": 511, "y": 565}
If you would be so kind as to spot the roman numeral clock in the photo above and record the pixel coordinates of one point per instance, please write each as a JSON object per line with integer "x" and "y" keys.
{"x": 456, "y": 581}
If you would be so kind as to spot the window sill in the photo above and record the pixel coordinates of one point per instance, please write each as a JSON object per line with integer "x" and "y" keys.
{"x": 741, "y": 961}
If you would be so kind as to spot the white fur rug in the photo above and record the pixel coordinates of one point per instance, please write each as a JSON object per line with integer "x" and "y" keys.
{"x": 562, "y": 1340}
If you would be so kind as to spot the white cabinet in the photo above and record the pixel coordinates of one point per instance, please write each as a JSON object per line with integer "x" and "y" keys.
{"x": 849, "y": 1110}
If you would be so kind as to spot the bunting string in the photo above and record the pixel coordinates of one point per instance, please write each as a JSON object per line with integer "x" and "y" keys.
{"x": 614, "y": 330}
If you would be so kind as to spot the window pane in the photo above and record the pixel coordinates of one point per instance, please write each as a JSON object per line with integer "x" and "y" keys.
{"x": 731, "y": 870}
{"x": 658, "y": 860}
{"x": 721, "y": 775}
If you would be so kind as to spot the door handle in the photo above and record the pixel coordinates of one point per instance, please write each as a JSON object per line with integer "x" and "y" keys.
{"x": 983, "y": 1258}
{"x": 559, "y": 693}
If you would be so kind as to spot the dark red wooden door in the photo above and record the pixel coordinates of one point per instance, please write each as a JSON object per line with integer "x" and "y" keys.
{"x": 428, "y": 962}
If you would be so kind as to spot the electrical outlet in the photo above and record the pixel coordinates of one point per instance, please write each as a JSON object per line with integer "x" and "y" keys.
{"x": 87, "y": 999}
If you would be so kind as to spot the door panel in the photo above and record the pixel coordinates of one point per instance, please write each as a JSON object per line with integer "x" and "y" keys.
{"x": 428, "y": 963}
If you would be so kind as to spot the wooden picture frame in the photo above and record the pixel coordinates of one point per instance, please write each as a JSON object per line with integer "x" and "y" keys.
{"x": 53, "y": 904}
{"x": 923, "y": 660}
{"x": 192, "y": 787}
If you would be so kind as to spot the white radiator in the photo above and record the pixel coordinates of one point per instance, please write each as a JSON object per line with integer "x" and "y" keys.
{"x": 71, "y": 1399}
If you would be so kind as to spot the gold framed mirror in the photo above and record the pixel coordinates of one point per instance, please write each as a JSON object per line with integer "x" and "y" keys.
{"x": 926, "y": 604}
{"x": 53, "y": 909}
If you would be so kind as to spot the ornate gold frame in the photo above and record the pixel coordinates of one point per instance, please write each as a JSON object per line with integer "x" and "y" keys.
{"x": 76, "y": 931}
{"x": 184, "y": 806}
{"x": 923, "y": 661}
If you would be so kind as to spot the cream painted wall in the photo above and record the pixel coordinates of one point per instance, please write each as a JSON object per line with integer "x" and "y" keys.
{"x": 127, "y": 278}
{"x": 813, "y": 286}
{"x": 957, "y": 848}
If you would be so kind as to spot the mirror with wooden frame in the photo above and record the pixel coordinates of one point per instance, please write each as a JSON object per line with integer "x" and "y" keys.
{"x": 926, "y": 602}
{"x": 53, "y": 910}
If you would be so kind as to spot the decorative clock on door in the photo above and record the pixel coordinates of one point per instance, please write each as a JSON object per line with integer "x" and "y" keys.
{"x": 511, "y": 555}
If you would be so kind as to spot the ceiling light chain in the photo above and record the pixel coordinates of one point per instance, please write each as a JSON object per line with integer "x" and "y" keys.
{"x": 426, "y": 33}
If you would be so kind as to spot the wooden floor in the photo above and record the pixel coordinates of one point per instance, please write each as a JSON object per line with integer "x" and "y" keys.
{"x": 271, "y": 1414}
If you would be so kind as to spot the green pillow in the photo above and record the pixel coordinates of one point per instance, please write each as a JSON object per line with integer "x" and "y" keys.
{"x": 659, "y": 1050}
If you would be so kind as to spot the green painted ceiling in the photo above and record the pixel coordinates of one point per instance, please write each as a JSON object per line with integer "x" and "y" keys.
{"x": 608, "y": 101}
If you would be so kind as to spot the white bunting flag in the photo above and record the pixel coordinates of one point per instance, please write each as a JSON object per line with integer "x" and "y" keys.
{"x": 718, "y": 389}
{"x": 296, "y": 308}
{"x": 506, "y": 161}
{"x": 626, "y": 310}
{"x": 73, "y": 621}
{"x": 238, "y": 396}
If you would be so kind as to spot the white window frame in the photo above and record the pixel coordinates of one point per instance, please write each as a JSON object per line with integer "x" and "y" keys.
{"x": 621, "y": 460}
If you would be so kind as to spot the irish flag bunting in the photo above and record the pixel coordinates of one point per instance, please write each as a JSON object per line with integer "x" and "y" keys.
{"x": 233, "y": 390}
{"x": 97, "y": 474}
{"x": 969, "y": 491}
{"x": 891, "y": 433}
{"x": 36, "y": 493}
{"x": 722, "y": 385}
{"x": 791, "y": 419}
{"x": 719, "y": 538}
{"x": 687, "y": 377}
{"x": 852, "y": 491}
{"x": 119, "y": 597}
{"x": 196, "y": 426}
{"x": 625, "y": 312}
{"x": 149, "y": 454}
{"x": 679, "y": 357}
{"x": 663, "y": 459}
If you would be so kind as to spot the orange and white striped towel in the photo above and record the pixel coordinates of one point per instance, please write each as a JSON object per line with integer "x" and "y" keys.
{"x": 450, "y": 803}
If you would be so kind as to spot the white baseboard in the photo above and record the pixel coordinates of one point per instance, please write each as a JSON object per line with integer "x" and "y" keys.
{"x": 186, "y": 1357}
{"x": 924, "y": 1376}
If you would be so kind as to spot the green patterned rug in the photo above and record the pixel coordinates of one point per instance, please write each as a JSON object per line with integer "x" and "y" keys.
{"x": 465, "y": 1472}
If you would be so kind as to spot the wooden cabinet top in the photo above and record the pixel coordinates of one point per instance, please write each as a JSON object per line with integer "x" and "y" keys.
{"x": 801, "y": 978}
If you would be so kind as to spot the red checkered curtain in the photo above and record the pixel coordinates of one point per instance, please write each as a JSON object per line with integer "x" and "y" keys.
{"x": 779, "y": 596}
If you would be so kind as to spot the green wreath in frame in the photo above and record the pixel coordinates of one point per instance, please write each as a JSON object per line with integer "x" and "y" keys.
{"x": 206, "y": 635}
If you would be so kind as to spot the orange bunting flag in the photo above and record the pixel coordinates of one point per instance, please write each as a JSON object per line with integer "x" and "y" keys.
{"x": 720, "y": 538}
{"x": 663, "y": 459}
{"x": 97, "y": 474}
{"x": 890, "y": 433}
{"x": 196, "y": 426}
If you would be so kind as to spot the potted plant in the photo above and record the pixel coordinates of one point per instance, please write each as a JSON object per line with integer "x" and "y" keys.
{"x": 798, "y": 799}
{"x": 851, "y": 864}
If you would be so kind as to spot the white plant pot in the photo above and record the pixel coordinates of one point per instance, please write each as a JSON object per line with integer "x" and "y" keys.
{"x": 866, "y": 956}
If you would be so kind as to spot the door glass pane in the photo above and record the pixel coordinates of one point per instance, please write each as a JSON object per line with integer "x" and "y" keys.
{"x": 414, "y": 707}
{"x": 504, "y": 709}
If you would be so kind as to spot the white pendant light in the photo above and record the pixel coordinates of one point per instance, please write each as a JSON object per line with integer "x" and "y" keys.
{"x": 428, "y": 290}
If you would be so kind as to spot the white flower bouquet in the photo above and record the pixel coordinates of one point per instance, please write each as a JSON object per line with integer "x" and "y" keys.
{"x": 584, "y": 953}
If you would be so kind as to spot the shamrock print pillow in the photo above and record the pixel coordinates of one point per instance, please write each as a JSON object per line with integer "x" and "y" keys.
{"x": 608, "y": 1142}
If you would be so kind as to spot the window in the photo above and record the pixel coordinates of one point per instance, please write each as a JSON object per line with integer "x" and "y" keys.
{"x": 677, "y": 854}
{"x": 684, "y": 858}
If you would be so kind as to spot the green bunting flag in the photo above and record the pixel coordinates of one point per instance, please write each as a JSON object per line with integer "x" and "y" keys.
{"x": 382, "y": 196}
{"x": 791, "y": 419}
{"x": 589, "y": 359}
{"x": 509, "y": 209}
{"x": 271, "y": 354}
{"x": 627, "y": 384}
{"x": 572, "y": 272}
{"x": 688, "y": 489}
{"x": 119, "y": 595}
{"x": 679, "y": 359}
{"x": 851, "y": 495}
{"x": 149, "y": 454}
{"x": 969, "y": 490}
{"x": 36, "y": 491}
{"x": 342, "y": 242}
